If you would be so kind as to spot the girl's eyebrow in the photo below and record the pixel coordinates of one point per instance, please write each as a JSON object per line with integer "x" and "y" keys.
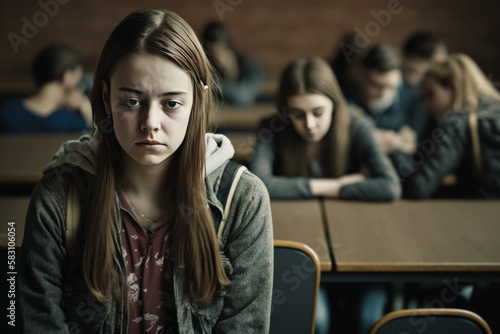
{"x": 314, "y": 109}
{"x": 138, "y": 92}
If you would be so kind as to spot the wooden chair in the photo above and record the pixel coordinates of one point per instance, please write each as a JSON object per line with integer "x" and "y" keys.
{"x": 431, "y": 321}
{"x": 296, "y": 282}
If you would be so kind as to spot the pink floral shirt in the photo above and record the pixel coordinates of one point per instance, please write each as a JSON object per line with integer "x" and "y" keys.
{"x": 151, "y": 300}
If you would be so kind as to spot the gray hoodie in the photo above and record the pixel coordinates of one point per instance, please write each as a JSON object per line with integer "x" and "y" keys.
{"x": 52, "y": 302}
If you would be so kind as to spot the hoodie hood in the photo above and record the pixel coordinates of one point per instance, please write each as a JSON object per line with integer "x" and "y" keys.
{"x": 218, "y": 150}
{"x": 80, "y": 153}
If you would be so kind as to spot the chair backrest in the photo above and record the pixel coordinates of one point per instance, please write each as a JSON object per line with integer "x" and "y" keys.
{"x": 296, "y": 282}
{"x": 431, "y": 321}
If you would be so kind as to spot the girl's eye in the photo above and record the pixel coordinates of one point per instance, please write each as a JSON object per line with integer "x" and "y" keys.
{"x": 318, "y": 114}
{"x": 173, "y": 104}
{"x": 132, "y": 103}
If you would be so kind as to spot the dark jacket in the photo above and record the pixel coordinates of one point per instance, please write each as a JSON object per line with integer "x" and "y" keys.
{"x": 406, "y": 109}
{"x": 449, "y": 150}
{"x": 383, "y": 184}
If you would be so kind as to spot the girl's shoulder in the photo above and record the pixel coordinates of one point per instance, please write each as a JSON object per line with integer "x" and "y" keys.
{"x": 360, "y": 125}
{"x": 55, "y": 182}
{"x": 248, "y": 183}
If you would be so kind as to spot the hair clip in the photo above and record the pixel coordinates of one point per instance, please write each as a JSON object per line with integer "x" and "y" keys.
{"x": 205, "y": 87}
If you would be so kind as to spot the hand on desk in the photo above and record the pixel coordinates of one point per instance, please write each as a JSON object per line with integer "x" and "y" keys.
{"x": 333, "y": 187}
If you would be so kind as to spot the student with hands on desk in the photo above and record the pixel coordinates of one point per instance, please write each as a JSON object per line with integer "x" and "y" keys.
{"x": 318, "y": 147}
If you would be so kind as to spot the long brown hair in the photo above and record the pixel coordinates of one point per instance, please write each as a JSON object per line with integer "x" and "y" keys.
{"x": 313, "y": 76}
{"x": 194, "y": 243}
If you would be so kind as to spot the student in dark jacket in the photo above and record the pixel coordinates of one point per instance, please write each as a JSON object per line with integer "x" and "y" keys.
{"x": 314, "y": 146}
{"x": 421, "y": 50}
{"x": 466, "y": 141}
{"x": 394, "y": 108}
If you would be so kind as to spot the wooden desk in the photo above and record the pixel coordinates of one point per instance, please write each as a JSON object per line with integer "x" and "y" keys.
{"x": 412, "y": 236}
{"x": 301, "y": 221}
{"x": 243, "y": 143}
{"x": 12, "y": 209}
{"x": 24, "y": 156}
{"x": 231, "y": 117}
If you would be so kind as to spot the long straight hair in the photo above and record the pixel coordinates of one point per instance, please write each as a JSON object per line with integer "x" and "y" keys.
{"x": 313, "y": 76}
{"x": 193, "y": 239}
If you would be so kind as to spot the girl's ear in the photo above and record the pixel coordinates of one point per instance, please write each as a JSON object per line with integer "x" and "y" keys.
{"x": 106, "y": 98}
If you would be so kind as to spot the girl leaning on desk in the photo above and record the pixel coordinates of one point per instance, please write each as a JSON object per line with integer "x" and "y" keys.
{"x": 465, "y": 139}
{"x": 314, "y": 146}
{"x": 146, "y": 257}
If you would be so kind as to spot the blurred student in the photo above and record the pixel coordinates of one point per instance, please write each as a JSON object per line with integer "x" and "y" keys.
{"x": 58, "y": 105}
{"x": 467, "y": 140}
{"x": 241, "y": 76}
{"x": 316, "y": 146}
{"x": 396, "y": 113}
{"x": 345, "y": 64}
{"x": 420, "y": 51}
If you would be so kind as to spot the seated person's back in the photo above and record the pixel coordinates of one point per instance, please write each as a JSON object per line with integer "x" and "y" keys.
{"x": 58, "y": 105}
{"x": 241, "y": 76}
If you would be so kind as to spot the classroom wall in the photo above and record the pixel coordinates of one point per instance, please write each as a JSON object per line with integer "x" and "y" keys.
{"x": 273, "y": 31}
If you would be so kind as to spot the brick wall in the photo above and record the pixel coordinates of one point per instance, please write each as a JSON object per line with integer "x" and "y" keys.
{"x": 273, "y": 31}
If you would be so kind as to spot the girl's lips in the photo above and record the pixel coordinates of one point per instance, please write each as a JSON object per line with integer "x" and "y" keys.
{"x": 149, "y": 142}
{"x": 150, "y": 145}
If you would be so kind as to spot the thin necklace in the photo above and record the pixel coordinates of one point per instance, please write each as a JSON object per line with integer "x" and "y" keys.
{"x": 153, "y": 224}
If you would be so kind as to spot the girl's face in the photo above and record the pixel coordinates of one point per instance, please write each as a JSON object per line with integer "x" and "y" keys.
{"x": 437, "y": 98}
{"x": 311, "y": 115}
{"x": 150, "y": 102}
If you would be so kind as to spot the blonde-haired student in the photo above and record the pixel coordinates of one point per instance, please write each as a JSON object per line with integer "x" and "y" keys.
{"x": 466, "y": 139}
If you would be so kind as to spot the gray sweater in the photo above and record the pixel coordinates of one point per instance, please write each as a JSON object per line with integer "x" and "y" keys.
{"x": 52, "y": 302}
{"x": 382, "y": 185}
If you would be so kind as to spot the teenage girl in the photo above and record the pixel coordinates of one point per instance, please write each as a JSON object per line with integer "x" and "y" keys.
{"x": 146, "y": 257}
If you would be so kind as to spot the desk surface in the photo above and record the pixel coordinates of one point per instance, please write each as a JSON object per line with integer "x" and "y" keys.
{"x": 298, "y": 221}
{"x": 24, "y": 156}
{"x": 231, "y": 117}
{"x": 13, "y": 209}
{"x": 408, "y": 236}
{"x": 301, "y": 221}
